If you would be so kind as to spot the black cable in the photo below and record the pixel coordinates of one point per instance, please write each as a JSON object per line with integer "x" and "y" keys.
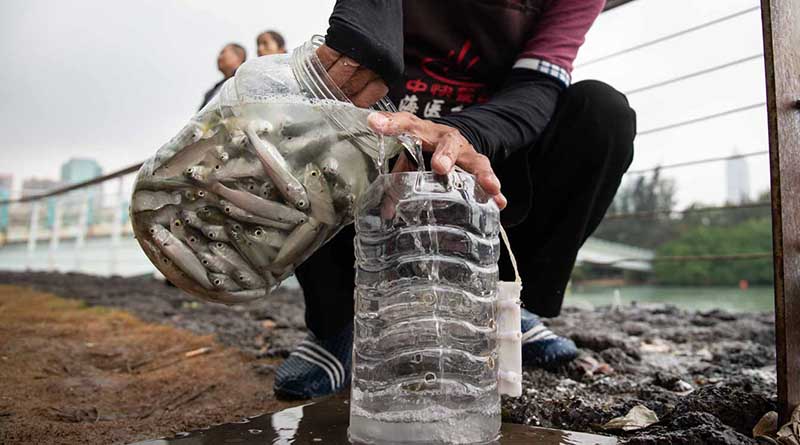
{"x": 701, "y": 119}
{"x": 694, "y": 74}
{"x": 699, "y": 161}
{"x": 669, "y": 36}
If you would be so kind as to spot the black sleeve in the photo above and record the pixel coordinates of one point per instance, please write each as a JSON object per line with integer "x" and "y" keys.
{"x": 513, "y": 118}
{"x": 371, "y": 33}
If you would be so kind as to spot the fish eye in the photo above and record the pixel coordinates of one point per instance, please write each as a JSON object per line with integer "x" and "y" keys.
{"x": 166, "y": 261}
{"x": 212, "y": 235}
{"x": 205, "y": 262}
{"x": 178, "y": 222}
{"x": 216, "y": 167}
{"x": 258, "y": 232}
{"x": 227, "y": 210}
{"x": 251, "y": 187}
{"x": 153, "y": 231}
{"x": 192, "y": 239}
{"x": 217, "y": 282}
{"x": 219, "y": 245}
{"x": 314, "y": 173}
{"x": 201, "y": 193}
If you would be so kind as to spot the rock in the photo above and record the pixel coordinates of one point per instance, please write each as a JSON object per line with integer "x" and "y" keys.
{"x": 733, "y": 406}
{"x": 690, "y": 428}
{"x": 767, "y": 426}
{"x": 637, "y": 418}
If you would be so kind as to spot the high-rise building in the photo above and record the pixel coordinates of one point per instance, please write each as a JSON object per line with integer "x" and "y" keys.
{"x": 737, "y": 178}
{"x": 6, "y": 181}
{"x": 78, "y": 170}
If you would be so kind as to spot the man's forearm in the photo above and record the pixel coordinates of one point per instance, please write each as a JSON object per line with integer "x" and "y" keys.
{"x": 371, "y": 33}
{"x": 513, "y": 119}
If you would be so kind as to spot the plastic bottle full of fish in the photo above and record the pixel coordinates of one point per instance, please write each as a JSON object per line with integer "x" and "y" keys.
{"x": 259, "y": 179}
{"x": 425, "y": 349}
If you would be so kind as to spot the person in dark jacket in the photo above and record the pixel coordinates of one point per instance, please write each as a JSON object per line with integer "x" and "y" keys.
{"x": 486, "y": 85}
{"x": 230, "y": 58}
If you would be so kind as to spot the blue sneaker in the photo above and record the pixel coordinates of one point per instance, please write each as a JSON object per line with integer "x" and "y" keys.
{"x": 316, "y": 367}
{"x": 541, "y": 348}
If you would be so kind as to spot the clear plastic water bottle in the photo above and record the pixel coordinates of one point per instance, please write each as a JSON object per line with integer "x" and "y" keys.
{"x": 425, "y": 348}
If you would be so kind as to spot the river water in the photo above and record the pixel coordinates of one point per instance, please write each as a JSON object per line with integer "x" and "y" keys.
{"x": 754, "y": 299}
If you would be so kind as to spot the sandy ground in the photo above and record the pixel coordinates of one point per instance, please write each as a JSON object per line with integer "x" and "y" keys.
{"x": 709, "y": 376}
{"x": 70, "y": 374}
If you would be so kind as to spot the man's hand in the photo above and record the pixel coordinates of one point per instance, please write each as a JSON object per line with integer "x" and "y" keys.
{"x": 360, "y": 84}
{"x": 449, "y": 148}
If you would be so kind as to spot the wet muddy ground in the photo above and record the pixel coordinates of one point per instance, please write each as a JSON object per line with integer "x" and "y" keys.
{"x": 709, "y": 376}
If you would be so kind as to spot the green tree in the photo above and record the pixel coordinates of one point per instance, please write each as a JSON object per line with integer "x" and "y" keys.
{"x": 751, "y": 236}
{"x": 642, "y": 195}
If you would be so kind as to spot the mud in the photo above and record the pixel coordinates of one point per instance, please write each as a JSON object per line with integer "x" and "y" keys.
{"x": 709, "y": 376}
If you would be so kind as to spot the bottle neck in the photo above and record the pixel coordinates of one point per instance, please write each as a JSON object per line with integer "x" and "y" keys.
{"x": 315, "y": 83}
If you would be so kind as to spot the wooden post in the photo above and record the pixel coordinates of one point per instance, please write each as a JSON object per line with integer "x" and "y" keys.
{"x": 781, "y": 27}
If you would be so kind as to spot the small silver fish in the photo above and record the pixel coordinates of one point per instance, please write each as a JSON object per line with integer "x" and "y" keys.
{"x": 245, "y": 216}
{"x": 191, "y": 153}
{"x": 223, "y": 282}
{"x": 277, "y": 168}
{"x": 180, "y": 255}
{"x": 215, "y": 264}
{"x": 319, "y": 195}
{"x": 190, "y": 218}
{"x": 215, "y": 233}
{"x": 330, "y": 167}
{"x": 258, "y": 255}
{"x": 266, "y": 237}
{"x": 240, "y": 167}
{"x": 259, "y": 206}
{"x": 144, "y": 200}
{"x": 295, "y": 245}
{"x": 212, "y": 215}
{"x": 243, "y": 273}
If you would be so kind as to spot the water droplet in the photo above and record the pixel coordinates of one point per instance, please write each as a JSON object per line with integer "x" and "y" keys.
{"x": 429, "y": 377}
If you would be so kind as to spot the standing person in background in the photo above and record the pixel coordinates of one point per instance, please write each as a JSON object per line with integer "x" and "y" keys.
{"x": 485, "y": 85}
{"x": 270, "y": 42}
{"x": 230, "y": 58}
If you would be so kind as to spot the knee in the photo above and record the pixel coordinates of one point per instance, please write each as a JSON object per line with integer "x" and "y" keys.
{"x": 604, "y": 115}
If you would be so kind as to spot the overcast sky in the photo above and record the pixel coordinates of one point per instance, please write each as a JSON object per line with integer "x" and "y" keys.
{"x": 112, "y": 80}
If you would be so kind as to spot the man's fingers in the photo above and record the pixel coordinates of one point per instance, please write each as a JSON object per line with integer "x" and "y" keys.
{"x": 394, "y": 124}
{"x": 342, "y": 70}
{"x": 448, "y": 151}
{"x": 479, "y": 165}
{"x": 328, "y": 56}
{"x": 357, "y": 82}
{"x": 371, "y": 93}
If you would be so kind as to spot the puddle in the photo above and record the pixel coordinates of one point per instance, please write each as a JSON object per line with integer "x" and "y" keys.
{"x": 325, "y": 422}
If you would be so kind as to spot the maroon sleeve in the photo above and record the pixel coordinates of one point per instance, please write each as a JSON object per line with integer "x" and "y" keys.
{"x": 560, "y": 32}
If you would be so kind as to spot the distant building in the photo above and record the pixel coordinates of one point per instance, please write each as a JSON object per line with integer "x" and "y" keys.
{"x": 79, "y": 170}
{"x": 36, "y": 186}
{"x": 6, "y": 182}
{"x": 737, "y": 177}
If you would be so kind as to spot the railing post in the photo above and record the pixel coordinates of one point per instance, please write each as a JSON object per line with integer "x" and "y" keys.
{"x": 782, "y": 62}
{"x": 55, "y": 234}
{"x": 83, "y": 222}
{"x": 116, "y": 227}
{"x": 33, "y": 232}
